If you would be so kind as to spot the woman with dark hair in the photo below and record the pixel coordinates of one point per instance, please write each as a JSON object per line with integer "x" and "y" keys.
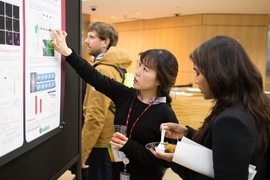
{"x": 141, "y": 109}
{"x": 237, "y": 129}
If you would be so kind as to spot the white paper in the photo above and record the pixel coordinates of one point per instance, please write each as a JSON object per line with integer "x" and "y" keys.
{"x": 199, "y": 158}
{"x": 194, "y": 157}
{"x": 252, "y": 172}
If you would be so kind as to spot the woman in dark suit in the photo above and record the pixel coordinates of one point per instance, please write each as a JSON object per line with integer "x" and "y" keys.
{"x": 237, "y": 128}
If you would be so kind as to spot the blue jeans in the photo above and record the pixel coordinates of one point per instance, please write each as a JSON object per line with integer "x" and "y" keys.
{"x": 99, "y": 165}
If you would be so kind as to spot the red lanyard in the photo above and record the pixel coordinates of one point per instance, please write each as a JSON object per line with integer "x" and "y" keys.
{"x": 128, "y": 116}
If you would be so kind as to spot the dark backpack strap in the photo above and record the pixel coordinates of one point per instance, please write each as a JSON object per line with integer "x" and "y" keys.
{"x": 110, "y": 108}
{"x": 122, "y": 73}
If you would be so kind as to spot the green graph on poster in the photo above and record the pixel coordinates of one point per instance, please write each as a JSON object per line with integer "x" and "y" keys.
{"x": 36, "y": 29}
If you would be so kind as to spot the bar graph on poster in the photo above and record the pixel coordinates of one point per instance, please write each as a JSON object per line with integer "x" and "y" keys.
{"x": 30, "y": 71}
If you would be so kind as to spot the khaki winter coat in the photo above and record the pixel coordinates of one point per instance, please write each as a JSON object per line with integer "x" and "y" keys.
{"x": 98, "y": 123}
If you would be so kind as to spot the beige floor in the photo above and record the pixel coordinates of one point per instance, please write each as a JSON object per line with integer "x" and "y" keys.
{"x": 169, "y": 175}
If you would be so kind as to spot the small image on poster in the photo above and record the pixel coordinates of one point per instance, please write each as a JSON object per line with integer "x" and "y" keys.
{"x": 43, "y": 68}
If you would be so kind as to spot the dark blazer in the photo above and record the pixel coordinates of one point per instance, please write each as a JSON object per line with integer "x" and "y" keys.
{"x": 234, "y": 140}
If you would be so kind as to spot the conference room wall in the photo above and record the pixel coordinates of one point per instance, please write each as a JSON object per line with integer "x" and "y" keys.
{"x": 181, "y": 35}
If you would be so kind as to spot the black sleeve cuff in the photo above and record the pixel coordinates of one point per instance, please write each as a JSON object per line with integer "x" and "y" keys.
{"x": 191, "y": 132}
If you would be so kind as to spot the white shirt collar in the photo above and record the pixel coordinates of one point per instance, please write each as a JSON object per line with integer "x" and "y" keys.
{"x": 158, "y": 101}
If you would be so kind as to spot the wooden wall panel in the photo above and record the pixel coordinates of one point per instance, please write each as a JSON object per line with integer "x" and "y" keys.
{"x": 178, "y": 40}
{"x": 85, "y": 25}
{"x": 180, "y": 21}
{"x": 181, "y": 35}
{"x": 252, "y": 38}
{"x": 169, "y": 22}
{"x": 129, "y": 26}
{"x": 191, "y": 110}
{"x": 132, "y": 41}
{"x": 235, "y": 19}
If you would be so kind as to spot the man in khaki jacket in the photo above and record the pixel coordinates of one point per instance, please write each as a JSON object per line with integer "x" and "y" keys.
{"x": 97, "y": 108}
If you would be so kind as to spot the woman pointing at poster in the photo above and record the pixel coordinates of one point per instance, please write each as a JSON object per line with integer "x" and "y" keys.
{"x": 141, "y": 109}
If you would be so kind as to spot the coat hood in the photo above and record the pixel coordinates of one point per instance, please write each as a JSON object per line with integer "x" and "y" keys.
{"x": 117, "y": 57}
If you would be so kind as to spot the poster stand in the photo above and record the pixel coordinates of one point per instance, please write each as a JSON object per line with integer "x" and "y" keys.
{"x": 50, "y": 156}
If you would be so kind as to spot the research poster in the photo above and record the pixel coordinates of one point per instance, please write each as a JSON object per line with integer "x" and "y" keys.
{"x": 43, "y": 68}
{"x": 11, "y": 76}
{"x": 30, "y": 71}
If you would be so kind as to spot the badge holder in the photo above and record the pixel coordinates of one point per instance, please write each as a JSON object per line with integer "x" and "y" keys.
{"x": 124, "y": 175}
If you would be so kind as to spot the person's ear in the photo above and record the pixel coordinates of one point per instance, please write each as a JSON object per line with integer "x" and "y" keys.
{"x": 107, "y": 42}
{"x": 157, "y": 82}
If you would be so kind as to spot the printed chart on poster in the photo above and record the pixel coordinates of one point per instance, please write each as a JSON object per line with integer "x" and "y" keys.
{"x": 30, "y": 72}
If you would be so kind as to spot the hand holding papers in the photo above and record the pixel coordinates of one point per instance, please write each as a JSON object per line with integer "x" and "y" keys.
{"x": 194, "y": 156}
{"x": 199, "y": 158}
